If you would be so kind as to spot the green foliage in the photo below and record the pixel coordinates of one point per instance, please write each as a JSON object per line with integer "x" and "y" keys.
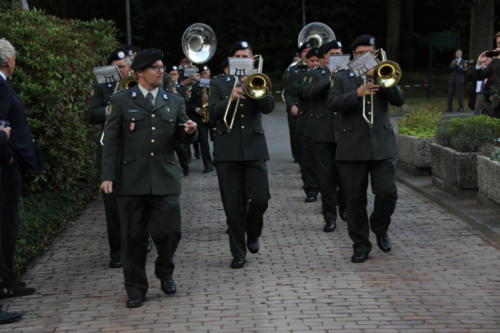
{"x": 468, "y": 134}
{"x": 53, "y": 77}
{"x": 420, "y": 122}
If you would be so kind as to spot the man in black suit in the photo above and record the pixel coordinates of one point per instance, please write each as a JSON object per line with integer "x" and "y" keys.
{"x": 240, "y": 160}
{"x": 19, "y": 155}
{"x": 456, "y": 81}
{"x": 365, "y": 151}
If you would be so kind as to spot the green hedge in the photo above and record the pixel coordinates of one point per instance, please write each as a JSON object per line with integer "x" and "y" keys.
{"x": 54, "y": 77}
{"x": 421, "y": 123}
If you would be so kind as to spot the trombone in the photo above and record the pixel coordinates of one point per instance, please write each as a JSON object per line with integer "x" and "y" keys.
{"x": 256, "y": 86}
{"x": 386, "y": 74}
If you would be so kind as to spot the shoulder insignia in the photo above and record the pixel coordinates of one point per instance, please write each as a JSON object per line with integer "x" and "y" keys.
{"x": 165, "y": 96}
{"x": 351, "y": 74}
{"x": 134, "y": 94}
{"x": 228, "y": 78}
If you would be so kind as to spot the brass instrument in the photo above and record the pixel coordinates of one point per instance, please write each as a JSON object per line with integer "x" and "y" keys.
{"x": 316, "y": 33}
{"x": 199, "y": 43}
{"x": 205, "y": 116}
{"x": 256, "y": 86}
{"x": 127, "y": 82}
{"x": 386, "y": 74}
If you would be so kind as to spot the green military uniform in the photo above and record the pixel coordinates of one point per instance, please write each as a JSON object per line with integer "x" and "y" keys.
{"x": 287, "y": 79}
{"x": 239, "y": 157}
{"x": 99, "y": 100}
{"x": 363, "y": 151}
{"x": 320, "y": 129}
{"x": 139, "y": 158}
{"x": 294, "y": 89}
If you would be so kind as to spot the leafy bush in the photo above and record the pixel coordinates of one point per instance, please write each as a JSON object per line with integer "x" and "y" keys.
{"x": 421, "y": 123}
{"x": 468, "y": 134}
{"x": 53, "y": 77}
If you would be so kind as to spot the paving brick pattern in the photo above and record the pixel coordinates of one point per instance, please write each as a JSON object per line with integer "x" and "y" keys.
{"x": 442, "y": 276}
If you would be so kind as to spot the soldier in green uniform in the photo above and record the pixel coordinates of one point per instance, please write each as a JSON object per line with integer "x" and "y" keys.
{"x": 320, "y": 130}
{"x": 240, "y": 156}
{"x": 99, "y": 101}
{"x": 365, "y": 151}
{"x": 294, "y": 83}
{"x": 139, "y": 166}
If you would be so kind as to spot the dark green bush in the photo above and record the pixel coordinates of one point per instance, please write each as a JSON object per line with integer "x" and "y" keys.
{"x": 54, "y": 77}
{"x": 468, "y": 134}
{"x": 421, "y": 123}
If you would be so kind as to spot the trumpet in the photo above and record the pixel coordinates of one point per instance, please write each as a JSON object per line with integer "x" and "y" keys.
{"x": 386, "y": 74}
{"x": 255, "y": 86}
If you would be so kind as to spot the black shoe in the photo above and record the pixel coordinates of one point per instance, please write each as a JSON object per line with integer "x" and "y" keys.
{"x": 148, "y": 245}
{"x": 359, "y": 257}
{"x": 253, "y": 245}
{"x": 9, "y": 317}
{"x": 115, "y": 262}
{"x": 185, "y": 171}
{"x": 330, "y": 226}
{"x": 135, "y": 302}
{"x": 16, "y": 291}
{"x": 311, "y": 197}
{"x": 384, "y": 243}
{"x": 238, "y": 263}
{"x": 343, "y": 214}
{"x": 207, "y": 170}
{"x": 168, "y": 287}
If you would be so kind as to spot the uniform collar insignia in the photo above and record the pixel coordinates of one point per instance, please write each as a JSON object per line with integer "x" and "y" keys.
{"x": 134, "y": 94}
{"x": 351, "y": 74}
{"x": 165, "y": 97}
{"x": 228, "y": 78}
{"x": 109, "y": 85}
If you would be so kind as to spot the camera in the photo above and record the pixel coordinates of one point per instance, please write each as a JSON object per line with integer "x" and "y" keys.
{"x": 492, "y": 54}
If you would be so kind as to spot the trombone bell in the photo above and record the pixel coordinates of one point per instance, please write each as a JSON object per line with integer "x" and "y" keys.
{"x": 257, "y": 85}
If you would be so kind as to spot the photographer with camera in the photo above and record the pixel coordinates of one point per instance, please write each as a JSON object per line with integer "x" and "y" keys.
{"x": 456, "y": 81}
{"x": 488, "y": 69}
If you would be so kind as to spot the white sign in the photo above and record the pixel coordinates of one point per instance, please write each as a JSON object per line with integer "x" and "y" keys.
{"x": 107, "y": 74}
{"x": 363, "y": 63}
{"x": 241, "y": 66}
{"x": 338, "y": 62}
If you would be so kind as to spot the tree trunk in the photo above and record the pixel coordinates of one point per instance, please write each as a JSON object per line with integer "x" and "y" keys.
{"x": 408, "y": 27}
{"x": 20, "y": 4}
{"x": 393, "y": 27}
{"x": 482, "y": 19}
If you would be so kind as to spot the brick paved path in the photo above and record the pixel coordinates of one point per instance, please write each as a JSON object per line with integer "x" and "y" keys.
{"x": 441, "y": 276}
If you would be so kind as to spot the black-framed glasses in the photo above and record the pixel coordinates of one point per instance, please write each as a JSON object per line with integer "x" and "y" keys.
{"x": 158, "y": 68}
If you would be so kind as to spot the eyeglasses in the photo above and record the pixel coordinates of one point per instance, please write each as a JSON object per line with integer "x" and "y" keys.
{"x": 158, "y": 68}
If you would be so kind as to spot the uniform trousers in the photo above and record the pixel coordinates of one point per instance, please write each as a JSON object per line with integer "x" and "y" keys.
{"x": 332, "y": 193}
{"x": 354, "y": 176}
{"x": 244, "y": 189}
{"x": 158, "y": 215}
{"x": 10, "y": 192}
{"x": 206, "y": 156}
{"x": 294, "y": 143}
{"x": 306, "y": 163}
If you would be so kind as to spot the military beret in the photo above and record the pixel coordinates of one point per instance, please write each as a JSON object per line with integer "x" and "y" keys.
{"x": 306, "y": 45}
{"x": 363, "y": 40}
{"x": 334, "y": 44}
{"x": 241, "y": 45}
{"x": 203, "y": 68}
{"x": 313, "y": 52}
{"x": 120, "y": 53}
{"x": 146, "y": 58}
{"x": 168, "y": 69}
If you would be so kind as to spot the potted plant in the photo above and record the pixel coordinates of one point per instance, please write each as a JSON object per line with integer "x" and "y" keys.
{"x": 488, "y": 175}
{"x": 416, "y": 133}
{"x": 454, "y": 154}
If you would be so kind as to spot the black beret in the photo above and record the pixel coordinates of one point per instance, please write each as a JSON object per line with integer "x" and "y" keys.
{"x": 334, "y": 44}
{"x": 306, "y": 45}
{"x": 363, "y": 40}
{"x": 241, "y": 45}
{"x": 168, "y": 69}
{"x": 120, "y": 53}
{"x": 146, "y": 58}
{"x": 313, "y": 52}
{"x": 203, "y": 68}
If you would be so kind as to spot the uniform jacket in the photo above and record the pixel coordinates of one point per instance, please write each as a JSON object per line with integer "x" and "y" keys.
{"x": 358, "y": 141}
{"x": 138, "y": 152}
{"x": 194, "y": 102}
{"x": 457, "y": 74}
{"x": 294, "y": 88}
{"x": 99, "y": 100}
{"x": 21, "y": 145}
{"x": 320, "y": 124}
{"x": 289, "y": 81}
{"x": 246, "y": 141}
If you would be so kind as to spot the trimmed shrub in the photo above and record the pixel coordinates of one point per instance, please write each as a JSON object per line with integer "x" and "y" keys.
{"x": 53, "y": 77}
{"x": 468, "y": 134}
{"x": 421, "y": 123}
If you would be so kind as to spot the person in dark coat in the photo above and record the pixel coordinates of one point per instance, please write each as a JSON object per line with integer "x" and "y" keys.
{"x": 456, "y": 81}
{"x": 240, "y": 156}
{"x": 139, "y": 165}
{"x": 365, "y": 151}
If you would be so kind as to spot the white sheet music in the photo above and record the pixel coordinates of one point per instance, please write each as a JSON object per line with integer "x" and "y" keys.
{"x": 363, "y": 63}
{"x": 338, "y": 61}
{"x": 204, "y": 83}
{"x": 241, "y": 66}
{"x": 107, "y": 74}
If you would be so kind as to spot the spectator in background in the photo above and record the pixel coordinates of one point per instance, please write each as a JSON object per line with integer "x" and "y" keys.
{"x": 456, "y": 81}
